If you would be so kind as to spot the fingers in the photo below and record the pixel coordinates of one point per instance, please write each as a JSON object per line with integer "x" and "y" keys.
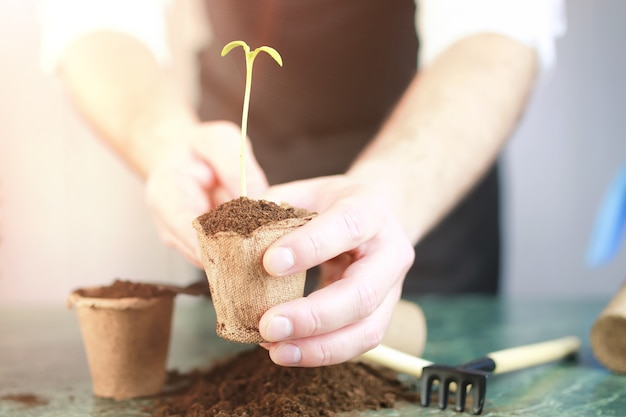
{"x": 187, "y": 246}
{"x": 361, "y": 290}
{"x": 344, "y": 319}
{"x": 175, "y": 230}
{"x": 351, "y": 221}
{"x": 338, "y": 346}
{"x": 297, "y": 195}
{"x": 220, "y": 145}
{"x": 255, "y": 176}
{"x": 198, "y": 178}
{"x": 176, "y": 193}
{"x": 365, "y": 256}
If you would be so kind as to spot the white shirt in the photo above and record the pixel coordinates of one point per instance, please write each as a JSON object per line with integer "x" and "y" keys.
{"x": 439, "y": 24}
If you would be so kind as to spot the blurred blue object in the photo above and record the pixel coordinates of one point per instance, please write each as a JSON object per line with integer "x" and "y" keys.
{"x": 610, "y": 221}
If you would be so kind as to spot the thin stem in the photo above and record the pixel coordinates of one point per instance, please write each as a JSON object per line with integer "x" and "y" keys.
{"x": 244, "y": 128}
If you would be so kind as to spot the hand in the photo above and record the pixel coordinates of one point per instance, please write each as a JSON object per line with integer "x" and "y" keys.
{"x": 364, "y": 256}
{"x": 198, "y": 175}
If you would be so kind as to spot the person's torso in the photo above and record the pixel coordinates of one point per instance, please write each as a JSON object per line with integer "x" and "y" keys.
{"x": 346, "y": 63}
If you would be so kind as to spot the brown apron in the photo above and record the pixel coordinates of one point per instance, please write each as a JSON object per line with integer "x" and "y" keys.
{"x": 346, "y": 64}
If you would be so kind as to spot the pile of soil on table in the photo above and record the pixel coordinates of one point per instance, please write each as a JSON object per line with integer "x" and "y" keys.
{"x": 244, "y": 216}
{"x": 124, "y": 289}
{"x": 251, "y": 385}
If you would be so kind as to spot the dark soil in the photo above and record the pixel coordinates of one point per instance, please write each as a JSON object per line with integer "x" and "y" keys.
{"x": 123, "y": 289}
{"x": 251, "y": 385}
{"x": 244, "y": 216}
{"x": 27, "y": 399}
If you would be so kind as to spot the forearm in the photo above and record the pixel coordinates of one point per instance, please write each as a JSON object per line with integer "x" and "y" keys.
{"x": 448, "y": 128}
{"x": 125, "y": 95}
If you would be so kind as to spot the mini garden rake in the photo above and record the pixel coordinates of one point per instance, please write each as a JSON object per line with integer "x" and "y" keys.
{"x": 471, "y": 376}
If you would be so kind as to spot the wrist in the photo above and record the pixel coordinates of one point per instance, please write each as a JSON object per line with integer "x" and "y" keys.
{"x": 164, "y": 128}
{"x": 394, "y": 182}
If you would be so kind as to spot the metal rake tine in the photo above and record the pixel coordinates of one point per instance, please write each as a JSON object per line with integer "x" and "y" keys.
{"x": 419, "y": 368}
{"x": 457, "y": 379}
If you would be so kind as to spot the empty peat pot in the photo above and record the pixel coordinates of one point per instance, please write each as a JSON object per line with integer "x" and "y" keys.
{"x": 608, "y": 334}
{"x": 126, "y": 333}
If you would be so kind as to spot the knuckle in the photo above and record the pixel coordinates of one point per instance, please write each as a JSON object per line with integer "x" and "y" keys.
{"x": 402, "y": 251}
{"x": 353, "y": 223}
{"x": 407, "y": 255}
{"x": 315, "y": 323}
{"x": 367, "y": 300}
{"x": 315, "y": 246}
{"x": 372, "y": 337}
{"x": 324, "y": 355}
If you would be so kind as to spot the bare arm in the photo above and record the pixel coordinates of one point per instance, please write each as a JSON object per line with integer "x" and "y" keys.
{"x": 448, "y": 128}
{"x": 126, "y": 96}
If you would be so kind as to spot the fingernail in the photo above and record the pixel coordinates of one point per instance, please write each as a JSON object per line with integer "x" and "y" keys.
{"x": 278, "y": 261}
{"x": 279, "y": 328}
{"x": 287, "y": 354}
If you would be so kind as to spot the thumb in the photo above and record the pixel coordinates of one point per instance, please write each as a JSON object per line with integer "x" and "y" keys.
{"x": 220, "y": 146}
{"x": 255, "y": 176}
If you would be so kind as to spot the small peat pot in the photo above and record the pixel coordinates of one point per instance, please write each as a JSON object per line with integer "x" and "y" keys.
{"x": 233, "y": 239}
{"x": 126, "y": 333}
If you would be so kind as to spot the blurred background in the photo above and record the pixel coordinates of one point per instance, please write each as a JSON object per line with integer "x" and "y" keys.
{"x": 72, "y": 215}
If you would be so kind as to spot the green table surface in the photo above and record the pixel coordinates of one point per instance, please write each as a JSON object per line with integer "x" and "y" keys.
{"x": 41, "y": 353}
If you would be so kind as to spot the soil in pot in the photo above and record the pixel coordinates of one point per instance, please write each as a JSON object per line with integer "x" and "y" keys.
{"x": 244, "y": 215}
{"x": 125, "y": 289}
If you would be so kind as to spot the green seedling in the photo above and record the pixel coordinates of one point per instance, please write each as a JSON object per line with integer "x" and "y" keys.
{"x": 250, "y": 56}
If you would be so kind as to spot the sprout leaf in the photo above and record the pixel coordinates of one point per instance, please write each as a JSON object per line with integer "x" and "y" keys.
{"x": 232, "y": 45}
{"x": 271, "y": 52}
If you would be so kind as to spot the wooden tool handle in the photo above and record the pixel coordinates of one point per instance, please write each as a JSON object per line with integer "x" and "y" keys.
{"x": 396, "y": 360}
{"x": 521, "y": 357}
